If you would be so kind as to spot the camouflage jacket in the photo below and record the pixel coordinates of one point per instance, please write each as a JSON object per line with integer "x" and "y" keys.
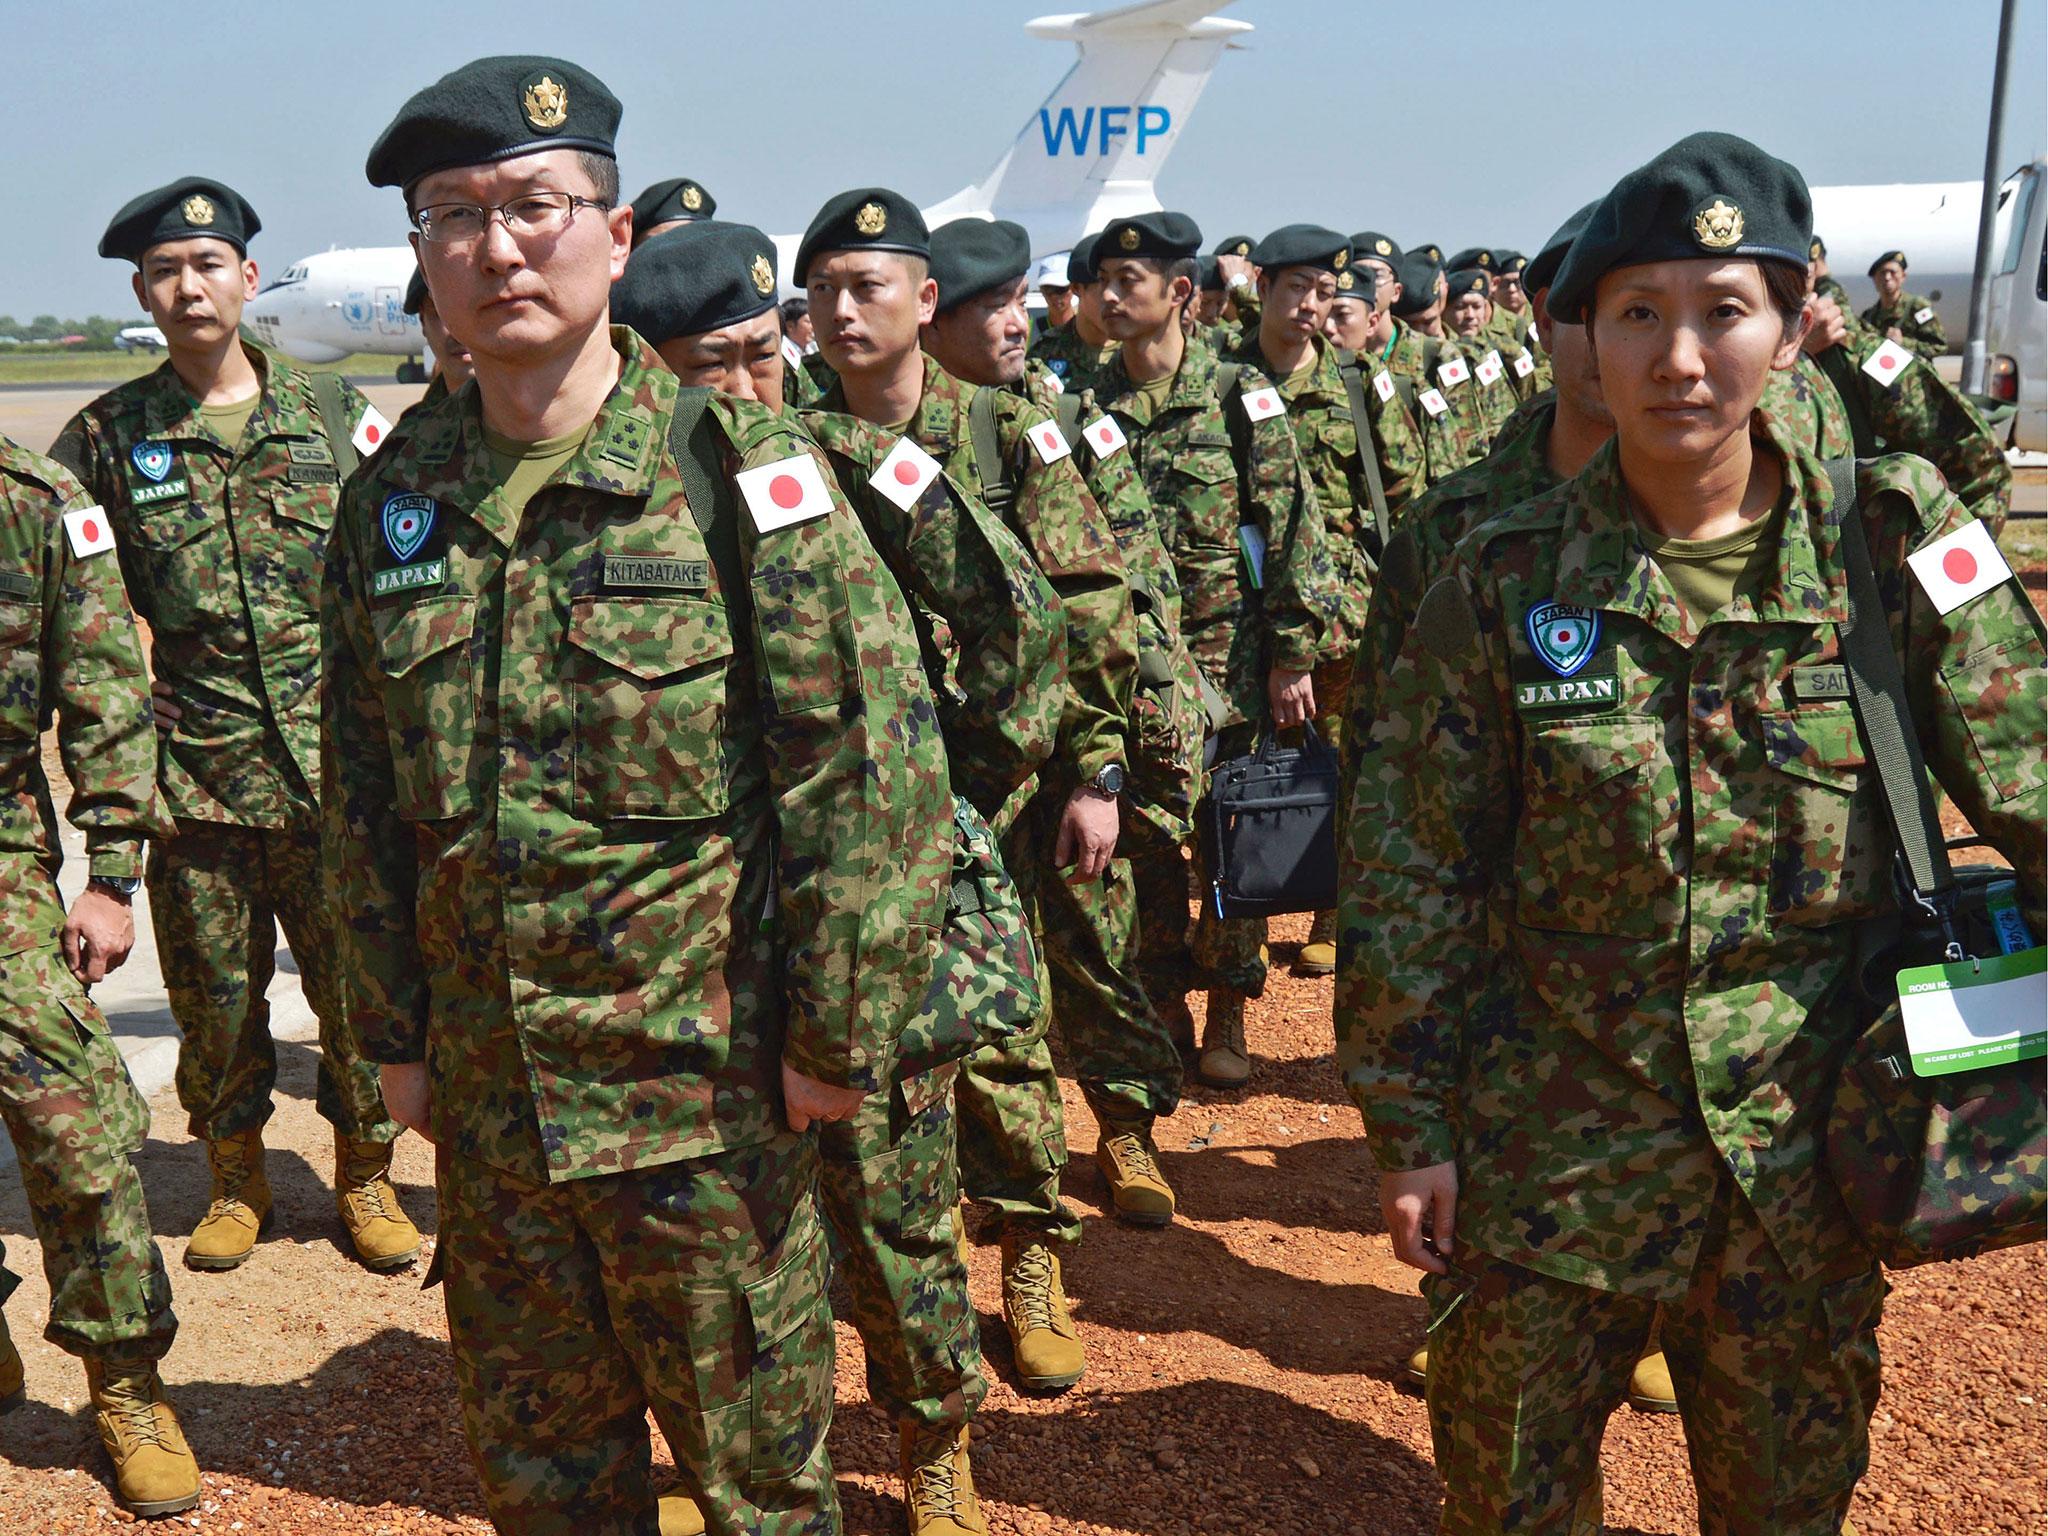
{"x": 1676, "y": 842}
{"x": 222, "y": 550}
{"x": 1320, "y": 414}
{"x": 1454, "y": 431}
{"x": 1917, "y": 324}
{"x": 998, "y": 669}
{"x": 1047, "y": 505}
{"x": 1828, "y": 288}
{"x": 805, "y": 384}
{"x": 69, "y": 650}
{"x": 621, "y": 816}
{"x": 1205, "y": 488}
{"x": 1072, "y": 360}
{"x": 1496, "y": 386}
{"x": 1808, "y": 409}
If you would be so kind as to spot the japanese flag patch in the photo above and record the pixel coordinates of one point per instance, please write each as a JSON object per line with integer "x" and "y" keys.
{"x": 1383, "y": 385}
{"x": 1104, "y": 436}
{"x": 1259, "y": 404}
{"x": 903, "y": 475}
{"x": 1490, "y": 368}
{"x": 792, "y": 354}
{"x": 1059, "y": 385}
{"x": 1454, "y": 373}
{"x": 1964, "y": 565}
{"x": 1049, "y": 443}
{"x": 786, "y": 492}
{"x": 1524, "y": 365}
{"x": 1922, "y": 316}
{"x": 1888, "y": 364}
{"x": 1434, "y": 402}
{"x": 89, "y": 531}
{"x": 370, "y": 431}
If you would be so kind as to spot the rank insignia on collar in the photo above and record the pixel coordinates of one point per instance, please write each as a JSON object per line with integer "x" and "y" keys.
{"x": 1562, "y": 636}
{"x": 151, "y": 460}
{"x": 408, "y": 519}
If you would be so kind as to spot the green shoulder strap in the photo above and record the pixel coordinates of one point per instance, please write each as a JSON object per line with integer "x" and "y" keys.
{"x": 987, "y": 447}
{"x": 333, "y": 413}
{"x": 1067, "y": 412}
{"x": 698, "y": 444}
{"x": 1229, "y": 380}
{"x": 1836, "y": 363}
{"x": 1432, "y": 349}
{"x": 1879, "y": 691}
{"x": 1354, "y": 391}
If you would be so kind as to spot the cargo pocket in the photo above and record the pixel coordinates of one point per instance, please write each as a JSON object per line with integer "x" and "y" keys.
{"x": 120, "y": 1114}
{"x": 1999, "y": 693}
{"x": 186, "y": 566}
{"x": 423, "y": 650}
{"x": 1828, "y": 861}
{"x": 789, "y": 1384}
{"x": 649, "y": 685}
{"x": 21, "y": 669}
{"x": 1590, "y": 848}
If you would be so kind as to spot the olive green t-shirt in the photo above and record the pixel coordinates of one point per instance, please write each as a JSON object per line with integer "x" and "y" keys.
{"x": 1155, "y": 392}
{"x": 228, "y": 422}
{"x": 1297, "y": 381}
{"x": 1708, "y": 573}
{"x": 523, "y": 468}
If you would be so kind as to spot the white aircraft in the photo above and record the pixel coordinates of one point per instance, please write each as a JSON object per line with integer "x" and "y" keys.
{"x": 139, "y": 338}
{"x": 1089, "y": 154}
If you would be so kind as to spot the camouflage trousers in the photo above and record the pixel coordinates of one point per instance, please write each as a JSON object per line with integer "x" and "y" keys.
{"x": 217, "y": 896}
{"x": 1124, "y": 1059}
{"x": 1013, "y": 1136}
{"x": 889, "y": 1186}
{"x": 1332, "y": 680}
{"x": 1776, "y": 1383}
{"x": 1159, "y": 890}
{"x": 77, "y": 1120}
{"x": 695, "y": 1289}
{"x": 1226, "y": 949}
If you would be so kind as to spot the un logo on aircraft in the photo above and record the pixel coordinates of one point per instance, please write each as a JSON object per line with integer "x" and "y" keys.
{"x": 355, "y": 311}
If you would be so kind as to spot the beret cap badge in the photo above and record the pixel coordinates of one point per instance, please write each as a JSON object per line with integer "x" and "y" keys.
{"x": 1718, "y": 226}
{"x": 1129, "y": 239}
{"x": 1340, "y": 260}
{"x": 692, "y": 198}
{"x": 197, "y": 210}
{"x": 763, "y": 276}
{"x": 1383, "y": 246}
{"x": 872, "y": 219}
{"x": 546, "y": 103}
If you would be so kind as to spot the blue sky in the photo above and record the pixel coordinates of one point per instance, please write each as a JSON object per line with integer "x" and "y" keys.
{"x": 1479, "y": 123}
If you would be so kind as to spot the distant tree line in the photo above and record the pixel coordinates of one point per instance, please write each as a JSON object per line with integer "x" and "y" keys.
{"x": 98, "y": 330}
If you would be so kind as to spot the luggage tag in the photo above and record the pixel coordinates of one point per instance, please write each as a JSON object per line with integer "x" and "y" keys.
{"x": 1968, "y": 1014}
{"x": 1251, "y": 538}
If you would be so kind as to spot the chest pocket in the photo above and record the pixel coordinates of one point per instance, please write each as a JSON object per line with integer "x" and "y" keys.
{"x": 1830, "y": 853}
{"x": 21, "y": 668}
{"x": 1205, "y": 496}
{"x": 1592, "y": 847}
{"x": 423, "y": 650}
{"x": 648, "y": 685}
{"x": 184, "y": 551}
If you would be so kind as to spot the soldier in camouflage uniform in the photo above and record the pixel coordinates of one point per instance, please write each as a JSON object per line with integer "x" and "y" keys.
{"x": 1259, "y": 583}
{"x": 1469, "y": 317}
{"x": 1076, "y": 351}
{"x": 68, "y": 646}
{"x": 640, "y": 825}
{"x": 1529, "y": 971}
{"x": 890, "y": 1180}
{"x": 1427, "y": 363}
{"x": 1333, "y": 408}
{"x": 220, "y": 472}
{"x": 1823, "y": 282}
{"x": 672, "y": 203}
{"x": 1905, "y": 317}
{"x": 452, "y": 367}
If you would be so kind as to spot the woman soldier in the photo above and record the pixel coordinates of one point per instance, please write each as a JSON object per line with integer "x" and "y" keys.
{"x": 1616, "y": 738}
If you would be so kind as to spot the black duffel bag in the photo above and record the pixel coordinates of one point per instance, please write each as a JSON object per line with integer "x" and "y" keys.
{"x": 1269, "y": 829}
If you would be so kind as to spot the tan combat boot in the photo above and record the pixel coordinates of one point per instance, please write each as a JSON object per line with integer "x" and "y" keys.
{"x": 240, "y": 1204}
{"x": 1318, "y": 956}
{"x": 13, "y": 1392}
{"x": 1130, "y": 1164}
{"x": 1225, "y": 1061}
{"x": 384, "y": 1235}
{"x": 1649, "y": 1386}
{"x": 938, "y": 1486}
{"x": 1417, "y": 1369}
{"x": 1043, "y": 1338}
{"x": 155, "y": 1472}
{"x": 679, "y": 1515}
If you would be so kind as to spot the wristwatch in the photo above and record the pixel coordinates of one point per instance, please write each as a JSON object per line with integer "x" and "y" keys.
{"x": 123, "y": 886}
{"x": 1110, "y": 781}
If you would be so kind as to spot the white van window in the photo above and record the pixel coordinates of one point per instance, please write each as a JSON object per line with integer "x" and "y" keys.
{"x": 2018, "y": 217}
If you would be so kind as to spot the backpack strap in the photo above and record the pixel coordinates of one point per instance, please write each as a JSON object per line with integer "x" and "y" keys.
{"x": 333, "y": 413}
{"x": 697, "y": 444}
{"x": 1067, "y": 412}
{"x": 986, "y": 445}
{"x": 1354, "y": 391}
{"x": 1841, "y": 372}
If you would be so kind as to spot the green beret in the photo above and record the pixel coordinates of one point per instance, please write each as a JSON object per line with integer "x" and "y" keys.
{"x": 1163, "y": 236}
{"x": 1470, "y": 280}
{"x": 416, "y": 294}
{"x": 1231, "y": 245}
{"x": 1430, "y": 249}
{"x": 1360, "y": 283}
{"x": 1419, "y": 271}
{"x": 1472, "y": 256}
{"x": 1303, "y": 245}
{"x": 188, "y": 209}
{"x": 971, "y": 256}
{"x": 1898, "y": 256}
{"x": 1816, "y": 248}
{"x": 1506, "y": 260}
{"x": 1081, "y": 259}
{"x": 1371, "y": 245}
{"x": 865, "y": 219}
{"x": 667, "y": 202}
{"x": 491, "y": 110}
{"x": 1542, "y": 272}
{"x": 1710, "y": 196}
{"x": 1208, "y": 275}
{"x": 702, "y": 277}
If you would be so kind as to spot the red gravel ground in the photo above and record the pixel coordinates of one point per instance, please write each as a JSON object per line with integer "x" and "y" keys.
{"x": 1242, "y": 1371}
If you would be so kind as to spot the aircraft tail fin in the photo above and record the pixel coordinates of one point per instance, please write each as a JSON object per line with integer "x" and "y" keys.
{"x": 1091, "y": 151}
